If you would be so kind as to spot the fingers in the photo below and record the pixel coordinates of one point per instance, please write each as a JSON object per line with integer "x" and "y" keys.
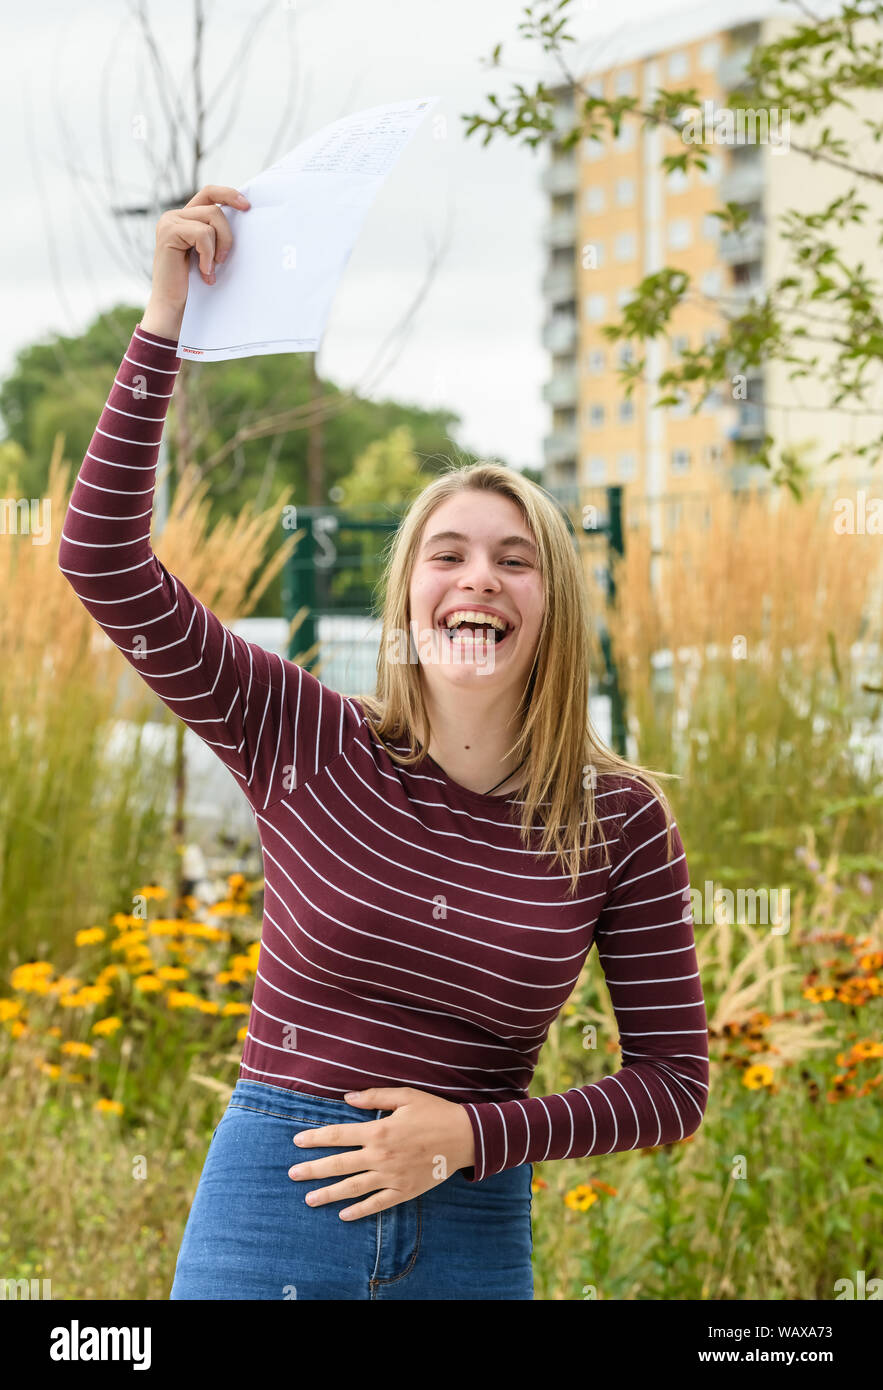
{"x": 222, "y": 243}
{"x": 217, "y": 193}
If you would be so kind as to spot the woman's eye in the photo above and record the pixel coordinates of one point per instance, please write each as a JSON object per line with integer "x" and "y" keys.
{"x": 512, "y": 561}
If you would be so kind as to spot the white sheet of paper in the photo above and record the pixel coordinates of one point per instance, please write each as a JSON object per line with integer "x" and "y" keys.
{"x": 290, "y": 247}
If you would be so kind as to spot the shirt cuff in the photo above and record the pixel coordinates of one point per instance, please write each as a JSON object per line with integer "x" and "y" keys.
{"x": 155, "y": 338}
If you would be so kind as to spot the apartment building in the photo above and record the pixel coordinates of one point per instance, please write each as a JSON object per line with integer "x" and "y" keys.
{"x": 615, "y": 216}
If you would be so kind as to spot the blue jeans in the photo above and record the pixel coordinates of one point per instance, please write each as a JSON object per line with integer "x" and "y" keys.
{"x": 250, "y": 1234}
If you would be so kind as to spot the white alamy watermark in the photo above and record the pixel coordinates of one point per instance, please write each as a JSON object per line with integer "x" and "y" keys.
{"x": 433, "y": 647}
{"x": 76, "y": 1343}
{"x": 721, "y": 125}
{"x": 715, "y": 905}
{"x": 27, "y": 516}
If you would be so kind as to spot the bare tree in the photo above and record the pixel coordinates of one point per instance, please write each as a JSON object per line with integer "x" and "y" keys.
{"x": 177, "y": 159}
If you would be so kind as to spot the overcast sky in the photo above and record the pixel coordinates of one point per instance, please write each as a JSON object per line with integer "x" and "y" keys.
{"x": 77, "y": 74}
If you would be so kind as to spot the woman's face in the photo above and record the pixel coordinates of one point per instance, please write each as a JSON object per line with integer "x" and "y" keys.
{"x": 489, "y": 565}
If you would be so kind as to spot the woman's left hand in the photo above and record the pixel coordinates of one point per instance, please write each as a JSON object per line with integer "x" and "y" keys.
{"x": 420, "y": 1144}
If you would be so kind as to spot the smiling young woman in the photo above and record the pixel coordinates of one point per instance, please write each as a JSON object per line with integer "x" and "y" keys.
{"x": 440, "y": 856}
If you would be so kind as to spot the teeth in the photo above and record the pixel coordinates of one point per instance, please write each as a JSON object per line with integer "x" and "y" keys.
{"x": 475, "y": 615}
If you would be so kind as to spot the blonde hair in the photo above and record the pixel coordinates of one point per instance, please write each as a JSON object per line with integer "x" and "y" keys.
{"x": 556, "y": 733}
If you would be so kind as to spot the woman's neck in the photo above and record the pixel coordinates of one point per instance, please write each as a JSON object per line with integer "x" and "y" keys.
{"x": 472, "y": 747}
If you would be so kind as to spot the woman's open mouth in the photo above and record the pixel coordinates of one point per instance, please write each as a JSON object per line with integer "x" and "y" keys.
{"x": 475, "y": 634}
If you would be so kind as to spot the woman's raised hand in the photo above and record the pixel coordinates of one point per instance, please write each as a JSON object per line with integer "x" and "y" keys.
{"x": 201, "y": 225}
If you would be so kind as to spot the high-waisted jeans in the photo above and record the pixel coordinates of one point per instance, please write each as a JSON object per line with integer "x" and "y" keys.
{"x": 250, "y": 1234}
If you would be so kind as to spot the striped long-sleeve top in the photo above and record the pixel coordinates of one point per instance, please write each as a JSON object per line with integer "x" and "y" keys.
{"x": 409, "y": 938}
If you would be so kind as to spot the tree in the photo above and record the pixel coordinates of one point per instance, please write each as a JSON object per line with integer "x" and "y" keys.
{"x": 176, "y": 158}
{"x": 821, "y": 317}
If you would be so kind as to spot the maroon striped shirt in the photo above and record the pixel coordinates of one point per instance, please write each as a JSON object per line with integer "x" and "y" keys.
{"x": 409, "y": 938}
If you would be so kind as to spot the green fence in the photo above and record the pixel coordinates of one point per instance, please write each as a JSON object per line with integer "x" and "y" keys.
{"x": 336, "y": 567}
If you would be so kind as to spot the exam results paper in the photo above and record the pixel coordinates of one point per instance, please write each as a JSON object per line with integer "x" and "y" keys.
{"x": 274, "y": 292}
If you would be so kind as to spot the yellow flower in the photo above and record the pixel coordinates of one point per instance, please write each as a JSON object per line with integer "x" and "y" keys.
{"x": 234, "y": 1008}
{"x": 121, "y": 920}
{"x": 85, "y": 997}
{"x": 172, "y": 972}
{"x": 128, "y": 940}
{"x": 580, "y": 1198}
{"x": 110, "y": 972}
{"x": 108, "y": 1107}
{"x": 32, "y": 977}
{"x": 208, "y": 1006}
{"x": 181, "y": 999}
{"x": 78, "y": 1049}
{"x": 105, "y": 1027}
{"x": 757, "y": 1076}
{"x": 72, "y": 1076}
{"x": 50, "y": 1069}
{"x": 228, "y": 908}
{"x": 95, "y": 994}
{"x": 65, "y": 984}
{"x": 148, "y": 984}
{"x": 9, "y": 1008}
{"x": 242, "y": 1033}
{"x": 818, "y": 994}
{"x": 152, "y": 890}
{"x": 88, "y": 936}
{"x": 17, "y": 1028}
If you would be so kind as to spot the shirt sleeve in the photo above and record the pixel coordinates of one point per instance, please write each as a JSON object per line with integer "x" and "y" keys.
{"x": 647, "y": 950}
{"x": 272, "y": 723}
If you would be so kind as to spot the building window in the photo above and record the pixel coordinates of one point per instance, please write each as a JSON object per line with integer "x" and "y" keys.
{"x": 625, "y": 83}
{"x": 710, "y": 337}
{"x": 709, "y": 55}
{"x": 626, "y": 137}
{"x": 595, "y": 415}
{"x": 626, "y": 411}
{"x": 626, "y": 467}
{"x": 624, "y": 297}
{"x": 678, "y": 64}
{"x": 625, "y": 248}
{"x": 679, "y": 234}
{"x": 626, "y": 355}
{"x": 680, "y": 460}
{"x": 596, "y": 87}
{"x": 596, "y": 307}
{"x": 712, "y": 172}
{"x": 594, "y": 199}
{"x": 625, "y": 192}
{"x": 712, "y": 453}
{"x": 713, "y": 401}
{"x": 683, "y": 406}
{"x": 596, "y": 362}
{"x": 676, "y": 180}
{"x": 711, "y": 282}
{"x": 593, "y": 149}
{"x": 711, "y": 227}
{"x": 679, "y": 344}
{"x": 597, "y": 470}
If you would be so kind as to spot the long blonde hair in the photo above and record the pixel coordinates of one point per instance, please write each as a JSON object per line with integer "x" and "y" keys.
{"x": 564, "y": 754}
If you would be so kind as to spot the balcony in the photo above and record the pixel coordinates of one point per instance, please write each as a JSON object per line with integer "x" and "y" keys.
{"x": 561, "y": 447}
{"x": 559, "y": 282}
{"x": 744, "y": 245}
{"x": 737, "y": 299}
{"x": 564, "y": 117}
{"x": 749, "y": 421}
{"x": 560, "y": 175}
{"x": 743, "y": 180}
{"x": 562, "y": 390}
{"x": 560, "y": 333}
{"x": 560, "y": 229}
{"x": 732, "y": 70}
